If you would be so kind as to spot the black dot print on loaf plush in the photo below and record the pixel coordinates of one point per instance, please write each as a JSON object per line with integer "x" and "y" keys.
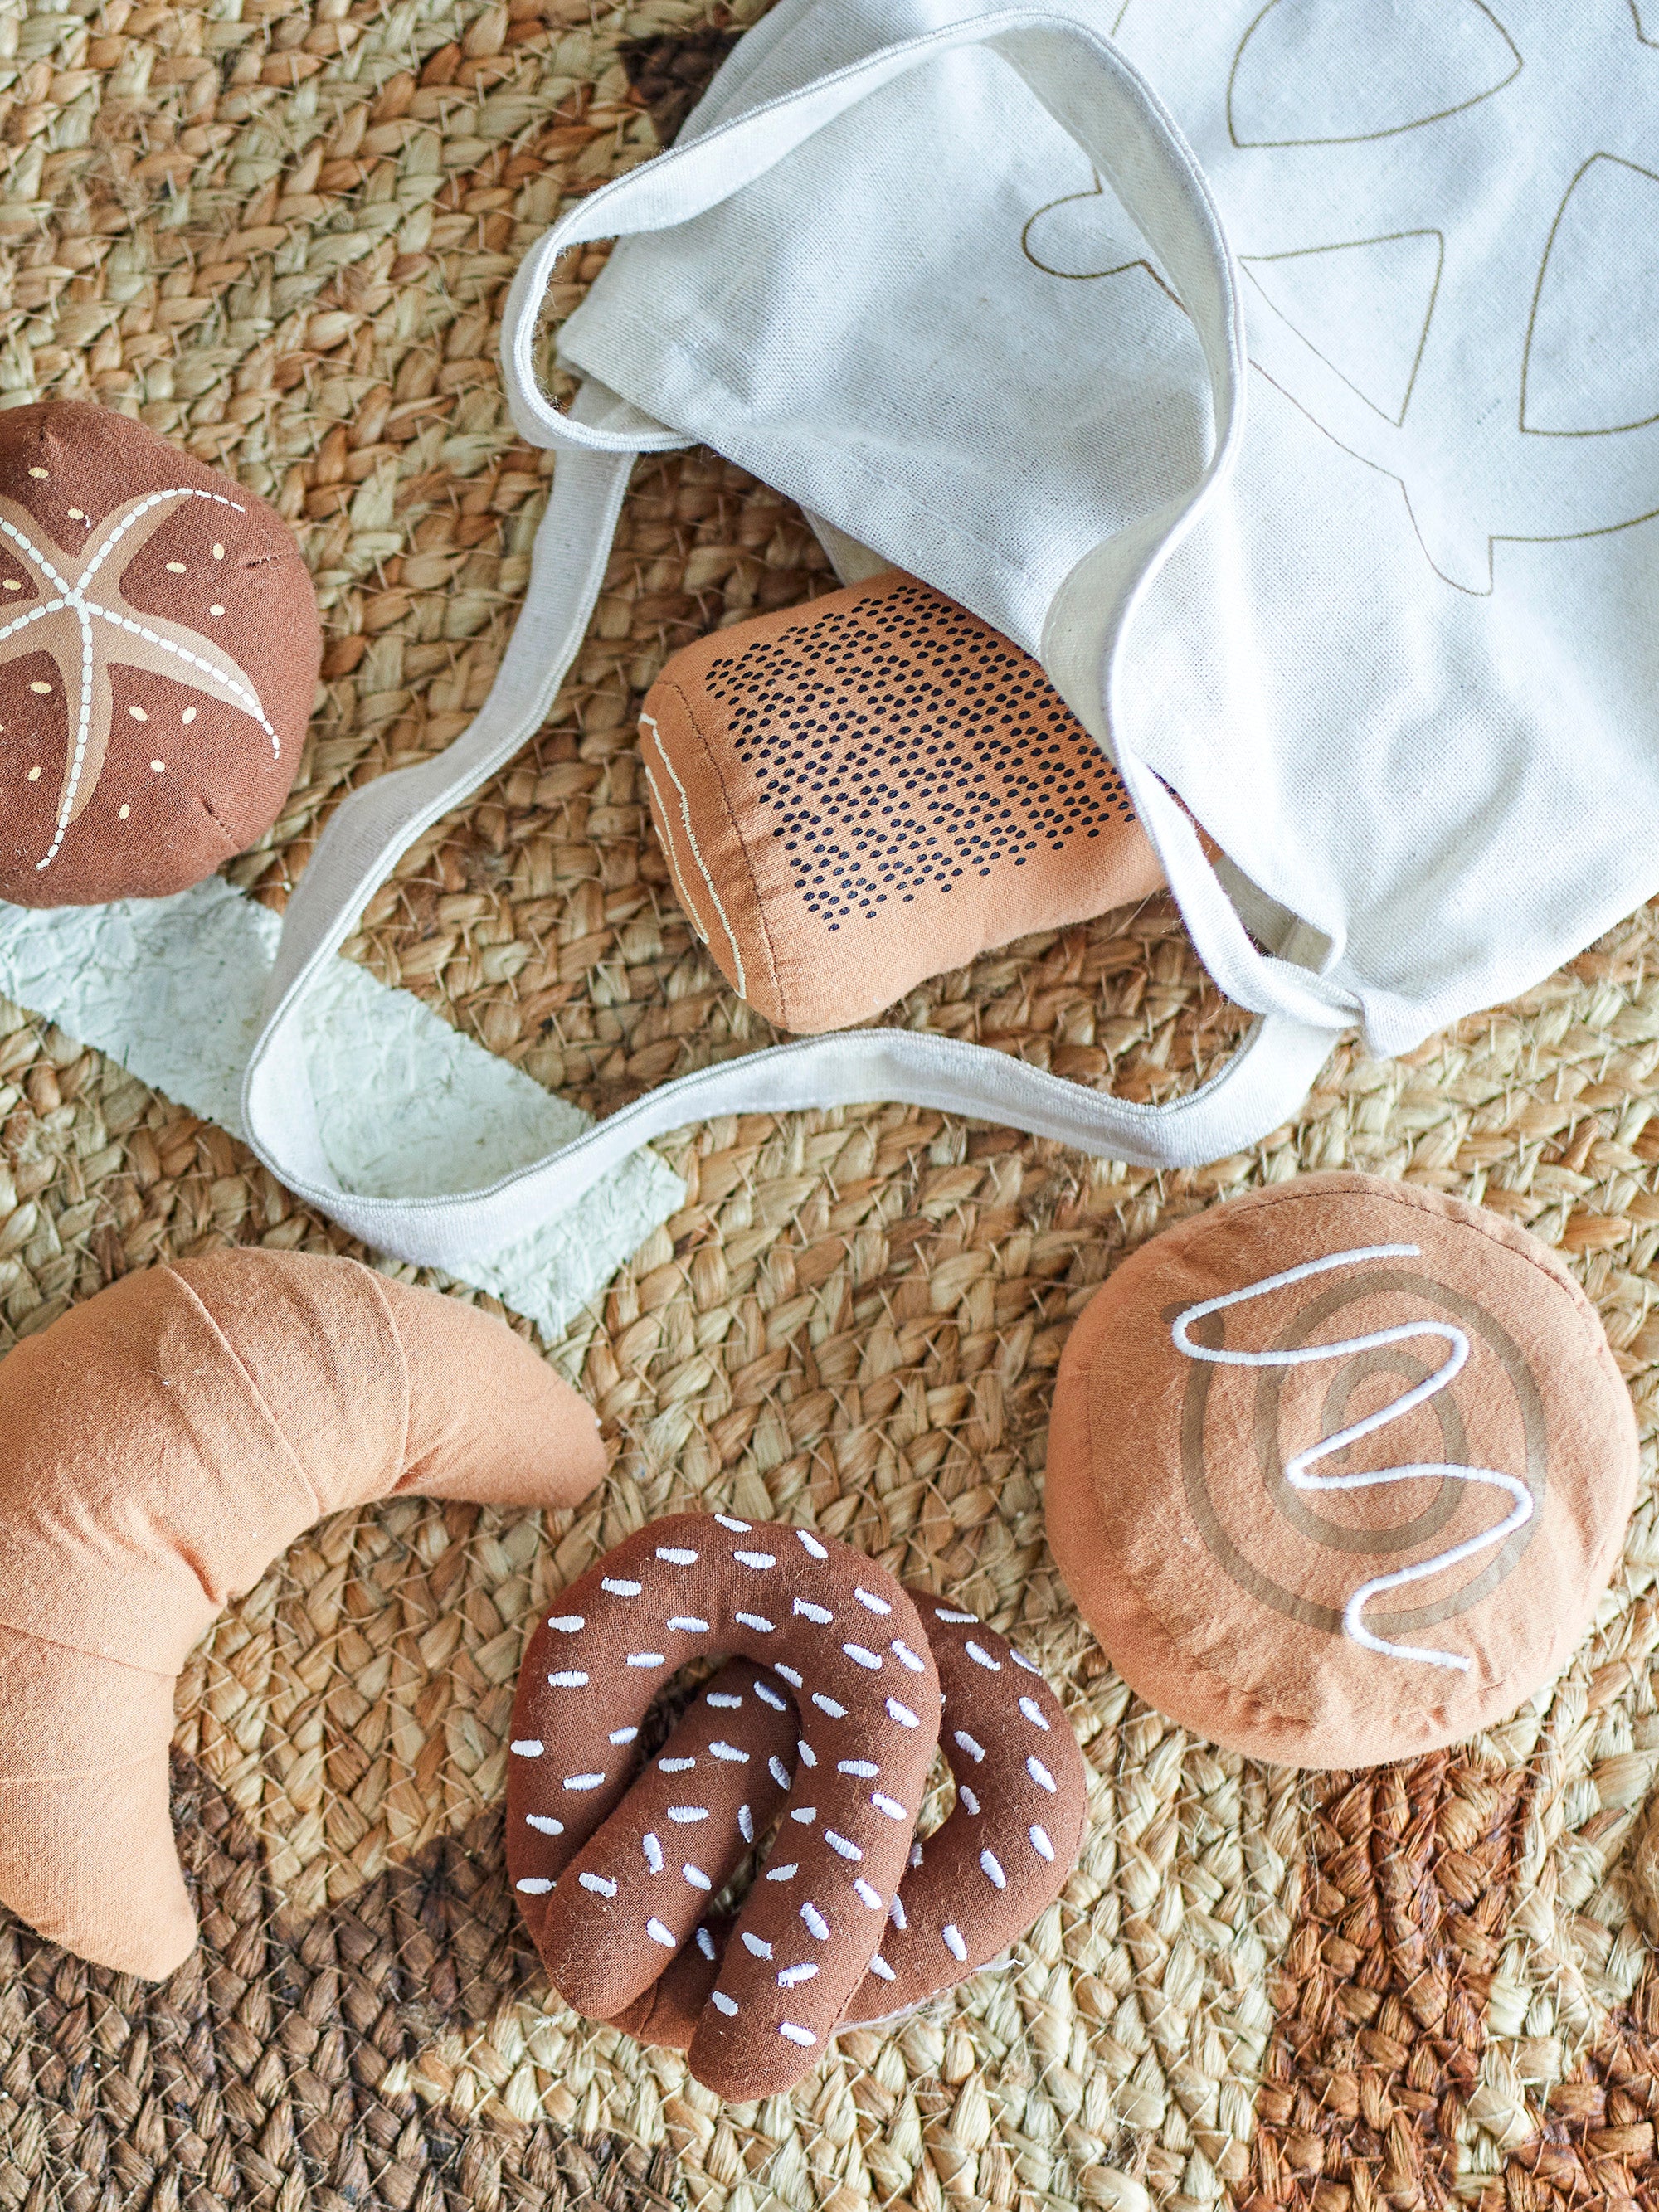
{"x": 902, "y": 747}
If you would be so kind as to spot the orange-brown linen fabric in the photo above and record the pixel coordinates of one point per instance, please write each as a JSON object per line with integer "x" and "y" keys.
{"x": 873, "y": 789}
{"x": 163, "y": 1442}
{"x": 1219, "y": 1591}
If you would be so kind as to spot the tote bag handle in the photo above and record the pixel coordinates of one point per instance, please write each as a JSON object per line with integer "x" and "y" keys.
{"x": 1120, "y": 123}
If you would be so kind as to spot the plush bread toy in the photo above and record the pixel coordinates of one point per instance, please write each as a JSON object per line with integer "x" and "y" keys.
{"x": 1003, "y": 1853}
{"x": 829, "y": 1728}
{"x": 859, "y": 793}
{"x": 159, "y": 648}
{"x": 1337, "y": 1471}
{"x": 868, "y": 1715}
{"x": 164, "y": 1441}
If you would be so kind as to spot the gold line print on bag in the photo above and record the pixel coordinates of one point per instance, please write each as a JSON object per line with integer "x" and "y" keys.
{"x": 1291, "y": 1482}
{"x": 1506, "y": 374}
{"x": 1433, "y": 239}
{"x": 84, "y": 622}
{"x": 1295, "y": 19}
{"x": 1034, "y": 247}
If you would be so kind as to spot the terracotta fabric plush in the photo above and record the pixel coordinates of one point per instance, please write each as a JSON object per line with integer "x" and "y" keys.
{"x": 739, "y": 1736}
{"x": 862, "y": 793}
{"x": 605, "y": 1910}
{"x": 159, "y": 648}
{"x": 1003, "y": 1853}
{"x": 164, "y": 1441}
{"x": 1012, "y": 1836}
{"x": 1337, "y": 1471}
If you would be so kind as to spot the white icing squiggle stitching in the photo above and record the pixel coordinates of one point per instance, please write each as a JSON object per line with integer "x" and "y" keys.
{"x": 1296, "y": 1470}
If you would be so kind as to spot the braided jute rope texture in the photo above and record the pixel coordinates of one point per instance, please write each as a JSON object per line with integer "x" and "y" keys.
{"x": 283, "y": 234}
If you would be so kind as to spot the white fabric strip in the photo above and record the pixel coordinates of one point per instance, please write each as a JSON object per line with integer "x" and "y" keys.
{"x": 1094, "y": 91}
{"x": 172, "y": 989}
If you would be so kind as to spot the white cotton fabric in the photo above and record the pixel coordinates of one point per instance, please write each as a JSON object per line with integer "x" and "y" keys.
{"x": 1438, "y": 749}
{"x": 1283, "y": 377}
{"x": 171, "y": 989}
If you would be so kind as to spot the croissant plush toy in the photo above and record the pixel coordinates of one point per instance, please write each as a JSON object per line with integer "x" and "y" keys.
{"x": 163, "y": 1442}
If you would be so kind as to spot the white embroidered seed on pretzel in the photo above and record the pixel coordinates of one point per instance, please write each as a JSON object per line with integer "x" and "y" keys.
{"x": 865, "y": 1694}
{"x": 1011, "y": 1840}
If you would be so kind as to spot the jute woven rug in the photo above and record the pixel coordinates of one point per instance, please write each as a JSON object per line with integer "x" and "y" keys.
{"x": 282, "y": 233}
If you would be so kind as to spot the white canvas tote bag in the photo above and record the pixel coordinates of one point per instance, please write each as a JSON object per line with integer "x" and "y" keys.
{"x": 964, "y": 286}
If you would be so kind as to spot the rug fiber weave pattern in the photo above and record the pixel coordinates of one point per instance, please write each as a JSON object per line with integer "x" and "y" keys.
{"x": 280, "y": 232}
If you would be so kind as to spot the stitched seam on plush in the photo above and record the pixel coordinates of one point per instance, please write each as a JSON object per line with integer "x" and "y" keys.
{"x": 391, "y": 1319}
{"x": 80, "y": 1773}
{"x": 696, "y": 850}
{"x": 259, "y": 1398}
{"x": 84, "y": 1651}
{"x": 692, "y": 840}
{"x": 207, "y": 810}
{"x": 669, "y": 846}
{"x": 733, "y": 817}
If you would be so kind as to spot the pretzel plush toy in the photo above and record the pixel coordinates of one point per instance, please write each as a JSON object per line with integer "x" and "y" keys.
{"x": 850, "y": 1918}
{"x": 164, "y": 1441}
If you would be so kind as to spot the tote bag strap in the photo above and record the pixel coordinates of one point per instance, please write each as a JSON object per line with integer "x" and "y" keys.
{"x": 1121, "y": 123}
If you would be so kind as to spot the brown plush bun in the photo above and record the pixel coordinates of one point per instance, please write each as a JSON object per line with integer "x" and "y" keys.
{"x": 859, "y": 793}
{"x": 843, "y": 1635}
{"x": 159, "y": 648}
{"x": 1325, "y": 1606}
{"x": 1003, "y": 1853}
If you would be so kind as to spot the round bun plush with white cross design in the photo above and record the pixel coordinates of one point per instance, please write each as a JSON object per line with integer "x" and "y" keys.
{"x": 823, "y": 1722}
{"x": 1338, "y": 1471}
{"x": 159, "y": 649}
